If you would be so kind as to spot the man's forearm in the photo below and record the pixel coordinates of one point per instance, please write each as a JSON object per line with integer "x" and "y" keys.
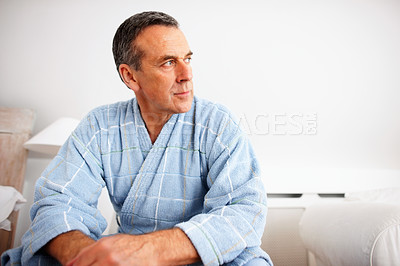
{"x": 166, "y": 247}
{"x": 66, "y": 246}
{"x": 175, "y": 247}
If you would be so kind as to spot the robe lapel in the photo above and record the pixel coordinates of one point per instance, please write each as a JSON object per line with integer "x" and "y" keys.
{"x": 147, "y": 183}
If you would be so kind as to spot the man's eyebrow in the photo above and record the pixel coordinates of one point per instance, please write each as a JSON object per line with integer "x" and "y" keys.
{"x": 167, "y": 57}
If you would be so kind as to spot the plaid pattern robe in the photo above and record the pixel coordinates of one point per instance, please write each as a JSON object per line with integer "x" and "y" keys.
{"x": 200, "y": 175}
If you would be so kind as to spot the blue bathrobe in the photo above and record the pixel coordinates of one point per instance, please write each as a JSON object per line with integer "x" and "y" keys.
{"x": 200, "y": 175}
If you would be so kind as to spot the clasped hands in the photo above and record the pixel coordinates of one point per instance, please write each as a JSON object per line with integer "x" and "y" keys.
{"x": 165, "y": 247}
{"x": 119, "y": 249}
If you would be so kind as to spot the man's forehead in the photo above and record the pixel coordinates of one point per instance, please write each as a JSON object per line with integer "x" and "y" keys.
{"x": 163, "y": 41}
{"x": 167, "y": 56}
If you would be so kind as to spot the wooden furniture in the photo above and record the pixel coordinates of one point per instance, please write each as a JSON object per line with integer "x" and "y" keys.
{"x": 15, "y": 129}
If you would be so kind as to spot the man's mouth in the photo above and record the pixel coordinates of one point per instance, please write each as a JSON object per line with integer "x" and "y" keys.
{"x": 182, "y": 93}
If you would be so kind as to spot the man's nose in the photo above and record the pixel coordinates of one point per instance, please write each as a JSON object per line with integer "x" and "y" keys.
{"x": 184, "y": 72}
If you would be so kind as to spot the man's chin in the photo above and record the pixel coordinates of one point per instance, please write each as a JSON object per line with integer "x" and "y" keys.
{"x": 185, "y": 106}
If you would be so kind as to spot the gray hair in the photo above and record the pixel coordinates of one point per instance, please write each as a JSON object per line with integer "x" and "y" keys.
{"x": 124, "y": 49}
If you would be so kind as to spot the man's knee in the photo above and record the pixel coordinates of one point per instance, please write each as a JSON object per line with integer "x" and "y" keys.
{"x": 257, "y": 262}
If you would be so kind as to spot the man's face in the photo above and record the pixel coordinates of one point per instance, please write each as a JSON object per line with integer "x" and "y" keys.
{"x": 164, "y": 82}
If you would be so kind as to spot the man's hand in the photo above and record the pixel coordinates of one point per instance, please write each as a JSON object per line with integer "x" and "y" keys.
{"x": 167, "y": 247}
{"x": 117, "y": 250}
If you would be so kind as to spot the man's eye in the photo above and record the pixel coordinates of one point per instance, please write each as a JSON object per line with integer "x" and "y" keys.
{"x": 187, "y": 60}
{"x": 169, "y": 63}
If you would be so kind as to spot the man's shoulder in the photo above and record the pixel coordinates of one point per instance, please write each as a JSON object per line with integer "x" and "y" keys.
{"x": 121, "y": 106}
{"x": 110, "y": 114}
{"x": 206, "y": 110}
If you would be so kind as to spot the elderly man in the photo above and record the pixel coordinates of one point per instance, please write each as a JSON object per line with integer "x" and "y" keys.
{"x": 180, "y": 173}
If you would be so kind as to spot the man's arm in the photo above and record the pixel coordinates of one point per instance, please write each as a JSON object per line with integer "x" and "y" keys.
{"x": 166, "y": 247}
{"x": 66, "y": 196}
{"x": 233, "y": 219}
{"x": 66, "y": 246}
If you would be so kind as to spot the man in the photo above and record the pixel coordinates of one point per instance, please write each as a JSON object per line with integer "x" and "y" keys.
{"x": 180, "y": 173}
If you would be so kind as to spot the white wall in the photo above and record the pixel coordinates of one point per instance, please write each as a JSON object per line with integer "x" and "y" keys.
{"x": 297, "y": 62}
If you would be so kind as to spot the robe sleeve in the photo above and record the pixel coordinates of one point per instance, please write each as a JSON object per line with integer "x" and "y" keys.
{"x": 235, "y": 209}
{"x": 66, "y": 193}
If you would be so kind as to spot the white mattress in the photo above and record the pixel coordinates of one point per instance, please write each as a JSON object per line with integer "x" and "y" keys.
{"x": 353, "y": 233}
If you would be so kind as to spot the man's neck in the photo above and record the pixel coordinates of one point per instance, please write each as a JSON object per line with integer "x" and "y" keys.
{"x": 154, "y": 123}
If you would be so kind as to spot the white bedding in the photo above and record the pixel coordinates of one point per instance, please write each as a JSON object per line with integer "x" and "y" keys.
{"x": 362, "y": 230}
{"x": 10, "y": 200}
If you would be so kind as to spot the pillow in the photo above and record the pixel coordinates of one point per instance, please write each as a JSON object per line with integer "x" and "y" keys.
{"x": 352, "y": 233}
{"x": 10, "y": 200}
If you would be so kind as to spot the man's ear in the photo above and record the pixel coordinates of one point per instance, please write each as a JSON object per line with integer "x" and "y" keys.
{"x": 128, "y": 76}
